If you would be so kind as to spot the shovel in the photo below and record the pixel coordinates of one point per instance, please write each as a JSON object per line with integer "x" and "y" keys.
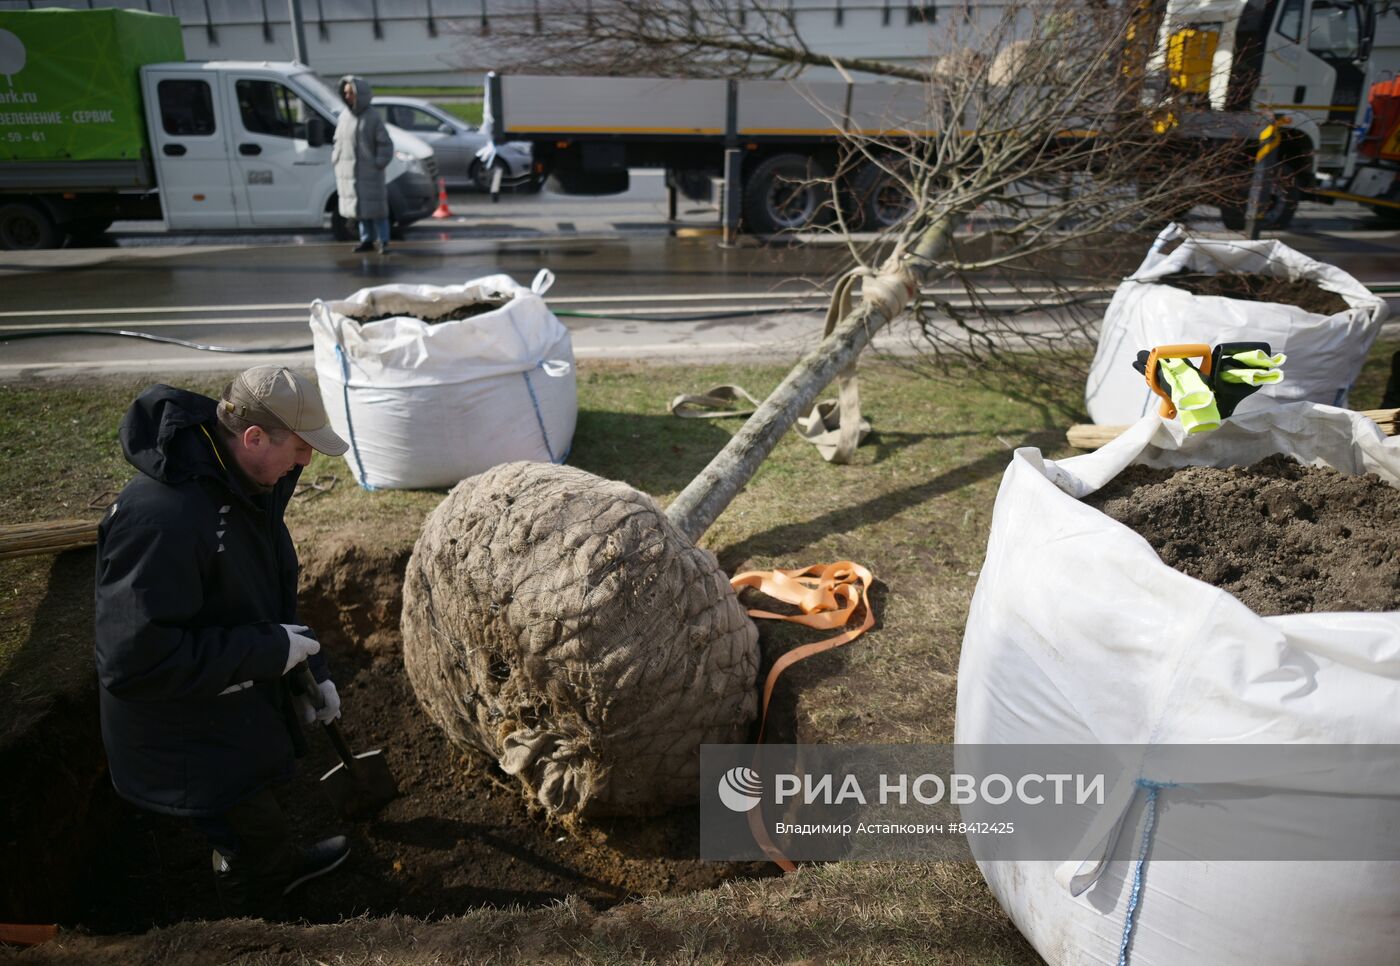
{"x": 361, "y": 784}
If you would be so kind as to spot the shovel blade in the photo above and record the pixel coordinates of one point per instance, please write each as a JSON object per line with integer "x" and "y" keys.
{"x": 363, "y": 790}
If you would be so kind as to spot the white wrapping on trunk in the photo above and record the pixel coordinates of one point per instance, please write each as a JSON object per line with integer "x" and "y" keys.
{"x": 428, "y": 405}
{"x": 1325, "y": 352}
{"x": 1078, "y": 633}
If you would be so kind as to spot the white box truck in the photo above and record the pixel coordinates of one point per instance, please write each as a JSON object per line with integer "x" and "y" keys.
{"x": 101, "y": 119}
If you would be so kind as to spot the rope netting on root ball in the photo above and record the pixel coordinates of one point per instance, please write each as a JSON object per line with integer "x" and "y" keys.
{"x": 561, "y": 624}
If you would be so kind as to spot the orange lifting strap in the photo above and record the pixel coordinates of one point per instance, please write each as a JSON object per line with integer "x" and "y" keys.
{"x": 828, "y": 596}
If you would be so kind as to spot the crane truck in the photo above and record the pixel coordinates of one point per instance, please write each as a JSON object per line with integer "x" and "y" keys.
{"x": 1317, "y": 76}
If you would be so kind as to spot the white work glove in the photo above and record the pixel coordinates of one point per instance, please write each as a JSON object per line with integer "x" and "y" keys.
{"x": 329, "y": 712}
{"x": 300, "y": 646}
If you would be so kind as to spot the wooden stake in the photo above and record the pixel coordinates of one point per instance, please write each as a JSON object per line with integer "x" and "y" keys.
{"x": 1088, "y": 436}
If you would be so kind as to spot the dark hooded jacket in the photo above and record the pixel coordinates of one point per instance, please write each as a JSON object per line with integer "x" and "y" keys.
{"x": 195, "y": 575}
{"x": 362, "y": 150}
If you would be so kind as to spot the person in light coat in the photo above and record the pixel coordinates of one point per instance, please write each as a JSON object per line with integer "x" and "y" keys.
{"x": 362, "y": 151}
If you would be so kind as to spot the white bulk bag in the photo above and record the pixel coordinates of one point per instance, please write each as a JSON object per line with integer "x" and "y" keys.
{"x": 427, "y": 405}
{"x": 1325, "y": 352}
{"x": 1078, "y": 633}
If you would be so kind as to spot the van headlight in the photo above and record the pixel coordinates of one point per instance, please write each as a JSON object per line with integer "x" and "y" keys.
{"x": 410, "y": 161}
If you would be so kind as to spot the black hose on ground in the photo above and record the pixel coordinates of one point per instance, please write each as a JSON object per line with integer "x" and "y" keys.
{"x": 164, "y": 339}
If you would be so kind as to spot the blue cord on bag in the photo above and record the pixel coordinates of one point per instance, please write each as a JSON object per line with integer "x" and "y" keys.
{"x": 349, "y": 424}
{"x": 1149, "y": 824}
{"x": 539, "y": 418}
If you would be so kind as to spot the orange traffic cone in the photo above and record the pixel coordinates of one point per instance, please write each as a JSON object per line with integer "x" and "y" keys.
{"x": 442, "y": 210}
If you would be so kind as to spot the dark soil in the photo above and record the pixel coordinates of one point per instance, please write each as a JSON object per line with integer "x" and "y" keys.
{"x": 1260, "y": 288}
{"x": 459, "y": 836}
{"x": 1282, "y": 537}
{"x": 470, "y": 310}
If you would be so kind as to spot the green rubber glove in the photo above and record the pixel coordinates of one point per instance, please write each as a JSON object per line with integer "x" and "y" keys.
{"x": 1194, "y": 402}
{"x": 1255, "y": 359}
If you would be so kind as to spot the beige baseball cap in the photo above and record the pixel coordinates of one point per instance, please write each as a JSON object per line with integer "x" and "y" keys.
{"x": 278, "y": 397}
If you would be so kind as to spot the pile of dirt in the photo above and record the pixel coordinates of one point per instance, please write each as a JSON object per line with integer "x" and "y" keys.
{"x": 1282, "y": 537}
{"x": 459, "y": 837}
{"x": 1260, "y": 288}
{"x": 468, "y": 311}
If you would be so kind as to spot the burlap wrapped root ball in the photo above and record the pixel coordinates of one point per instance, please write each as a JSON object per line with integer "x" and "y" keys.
{"x": 559, "y": 623}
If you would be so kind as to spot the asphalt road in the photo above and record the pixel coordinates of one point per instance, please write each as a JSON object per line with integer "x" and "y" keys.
{"x": 663, "y": 288}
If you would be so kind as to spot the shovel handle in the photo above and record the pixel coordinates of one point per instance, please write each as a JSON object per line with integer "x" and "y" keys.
{"x": 347, "y": 757}
{"x": 306, "y": 681}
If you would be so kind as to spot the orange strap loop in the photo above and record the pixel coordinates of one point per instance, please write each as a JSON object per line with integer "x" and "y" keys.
{"x": 828, "y": 596}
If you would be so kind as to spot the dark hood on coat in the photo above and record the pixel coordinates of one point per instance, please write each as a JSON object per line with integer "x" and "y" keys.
{"x": 152, "y": 440}
{"x": 364, "y": 94}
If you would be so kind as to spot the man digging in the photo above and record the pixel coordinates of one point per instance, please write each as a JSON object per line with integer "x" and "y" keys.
{"x": 197, "y": 623}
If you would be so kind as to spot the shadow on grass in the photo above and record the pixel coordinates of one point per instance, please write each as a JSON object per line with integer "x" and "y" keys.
{"x": 657, "y": 454}
{"x": 788, "y": 539}
{"x": 887, "y": 444}
{"x": 51, "y": 747}
{"x": 55, "y": 662}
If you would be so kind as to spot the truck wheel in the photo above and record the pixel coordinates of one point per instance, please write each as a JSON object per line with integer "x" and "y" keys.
{"x": 787, "y": 192}
{"x": 879, "y": 201}
{"x": 26, "y": 227}
{"x": 1279, "y": 202}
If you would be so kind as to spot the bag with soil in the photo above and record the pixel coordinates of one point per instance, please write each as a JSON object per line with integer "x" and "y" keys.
{"x": 561, "y": 624}
{"x": 1215, "y": 290}
{"x": 1079, "y": 633}
{"x": 432, "y": 384}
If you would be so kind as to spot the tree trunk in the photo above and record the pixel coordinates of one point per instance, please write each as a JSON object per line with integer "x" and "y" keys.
{"x": 882, "y": 299}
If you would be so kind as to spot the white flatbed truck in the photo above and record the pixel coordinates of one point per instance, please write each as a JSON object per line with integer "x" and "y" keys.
{"x": 772, "y": 142}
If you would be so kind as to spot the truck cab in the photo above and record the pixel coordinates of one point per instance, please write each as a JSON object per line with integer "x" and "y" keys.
{"x": 248, "y": 145}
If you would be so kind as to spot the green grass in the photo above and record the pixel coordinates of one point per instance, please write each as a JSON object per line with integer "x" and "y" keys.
{"x": 469, "y": 111}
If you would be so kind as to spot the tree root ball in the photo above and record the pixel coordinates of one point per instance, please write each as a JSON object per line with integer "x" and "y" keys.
{"x": 559, "y": 623}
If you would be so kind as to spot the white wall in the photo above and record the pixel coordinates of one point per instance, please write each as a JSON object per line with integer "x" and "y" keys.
{"x": 462, "y": 51}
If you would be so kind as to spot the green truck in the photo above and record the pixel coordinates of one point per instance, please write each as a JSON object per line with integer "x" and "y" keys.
{"x": 102, "y": 118}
